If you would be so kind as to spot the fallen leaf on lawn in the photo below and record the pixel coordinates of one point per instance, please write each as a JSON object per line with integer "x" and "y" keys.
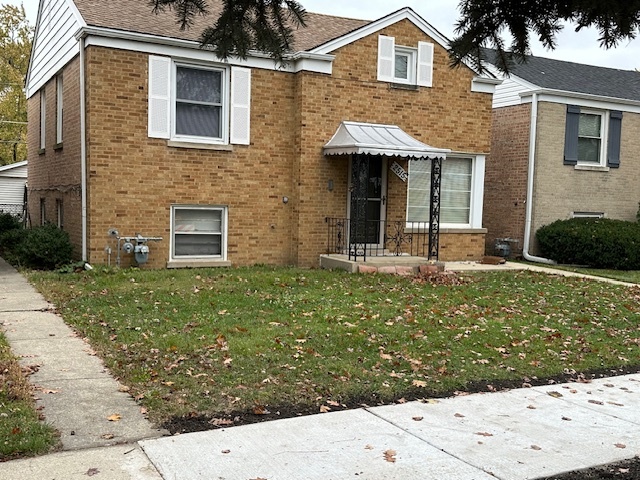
{"x": 623, "y": 470}
{"x": 419, "y": 383}
{"x": 368, "y": 447}
{"x": 485, "y": 434}
{"x": 220, "y": 422}
{"x": 401, "y": 400}
{"x": 596, "y": 402}
{"x": 531, "y": 407}
{"x": 226, "y": 451}
{"x": 418, "y": 419}
{"x": 92, "y": 471}
{"x": 107, "y": 436}
{"x": 114, "y": 418}
{"x": 390, "y": 456}
{"x": 324, "y": 409}
{"x": 260, "y": 410}
{"x": 16, "y": 431}
{"x": 566, "y": 418}
{"x": 143, "y": 410}
{"x": 123, "y": 388}
{"x": 431, "y": 401}
{"x": 459, "y": 415}
{"x": 616, "y": 404}
{"x": 555, "y": 394}
{"x": 535, "y": 447}
{"x": 333, "y": 403}
{"x": 385, "y": 356}
{"x": 620, "y": 445}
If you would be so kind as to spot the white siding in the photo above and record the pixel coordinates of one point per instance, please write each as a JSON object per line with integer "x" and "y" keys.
{"x": 11, "y": 190}
{"x": 54, "y": 44}
{"x": 508, "y": 92}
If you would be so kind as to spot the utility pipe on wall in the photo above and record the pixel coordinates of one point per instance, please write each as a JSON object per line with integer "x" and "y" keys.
{"x": 83, "y": 150}
{"x": 530, "y": 184}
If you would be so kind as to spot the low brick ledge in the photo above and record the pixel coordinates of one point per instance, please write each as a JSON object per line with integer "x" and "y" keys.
{"x": 425, "y": 269}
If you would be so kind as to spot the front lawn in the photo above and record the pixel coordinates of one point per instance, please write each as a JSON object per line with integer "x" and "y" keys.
{"x": 217, "y": 343}
{"x": 630, "y": 276}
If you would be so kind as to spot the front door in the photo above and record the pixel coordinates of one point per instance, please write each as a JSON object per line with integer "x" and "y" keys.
{"x": 367, "y": 200}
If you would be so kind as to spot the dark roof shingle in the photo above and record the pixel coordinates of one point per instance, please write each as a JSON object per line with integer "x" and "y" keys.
{"x": 136, "y": 16}
{"x": 577, "y": 77}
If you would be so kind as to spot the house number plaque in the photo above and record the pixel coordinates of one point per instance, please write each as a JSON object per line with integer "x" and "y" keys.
{"x": 399, "y": 171}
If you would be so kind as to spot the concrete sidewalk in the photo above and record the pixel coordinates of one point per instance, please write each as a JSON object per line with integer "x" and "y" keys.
{"x": 521, "y": 434}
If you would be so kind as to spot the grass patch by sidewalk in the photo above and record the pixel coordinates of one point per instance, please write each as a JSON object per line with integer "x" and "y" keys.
{"x": 21, "y": 431}
{"x": 216, "y": 342}
{"x": 631, "y": 276}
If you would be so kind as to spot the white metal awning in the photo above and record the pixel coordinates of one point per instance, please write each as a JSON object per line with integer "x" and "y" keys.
{"x": 375, "y": 139}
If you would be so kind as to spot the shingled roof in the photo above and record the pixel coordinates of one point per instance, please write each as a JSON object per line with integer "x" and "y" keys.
{"x": 576, "y": 77}
{"x": 136, "y": 16}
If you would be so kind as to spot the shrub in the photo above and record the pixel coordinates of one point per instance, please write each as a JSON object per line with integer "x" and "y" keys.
{"x": 594, "y": 242}
{"x": 9, "y": 222}
{"x": 46, "y": 247}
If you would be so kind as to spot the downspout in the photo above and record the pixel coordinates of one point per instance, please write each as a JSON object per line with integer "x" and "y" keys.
{"x": 530, "y": 173}
{"x": 83, "y": 150}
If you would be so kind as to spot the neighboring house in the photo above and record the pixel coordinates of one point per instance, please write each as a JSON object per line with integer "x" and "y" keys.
{"x": 13, "y": 178}
{"x": 134, "y": 127}
{"x": 566, "y": 143}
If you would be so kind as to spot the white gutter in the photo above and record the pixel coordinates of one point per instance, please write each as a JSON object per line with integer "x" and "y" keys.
{"x": 83, "y": 150}
{"x": 530, "y": 173}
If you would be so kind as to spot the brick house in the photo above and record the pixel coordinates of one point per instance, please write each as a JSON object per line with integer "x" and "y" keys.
{"x": 134, "y": 127}
{"x": 565, "y": 143}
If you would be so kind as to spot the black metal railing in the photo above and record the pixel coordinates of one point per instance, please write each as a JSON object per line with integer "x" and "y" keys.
{"x": 376, "y": 238}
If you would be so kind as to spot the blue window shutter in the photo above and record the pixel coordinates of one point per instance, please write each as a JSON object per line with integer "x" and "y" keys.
{"x": 613, "y": 142}
{"x": 571, "y": 135}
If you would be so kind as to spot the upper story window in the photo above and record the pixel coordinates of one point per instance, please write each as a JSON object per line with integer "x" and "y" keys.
{"x": 404, "y": 64}
{"x": 199, "y": 103}
{"x": 590, "y": 129}
{"x": 592, "y": 137}
{"x": 59, "y": 108}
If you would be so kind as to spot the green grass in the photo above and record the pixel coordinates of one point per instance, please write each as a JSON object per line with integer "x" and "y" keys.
{"x": 21, "y": 431}
{"x": 206, "y": 342}
{"x": 631, "y": 276}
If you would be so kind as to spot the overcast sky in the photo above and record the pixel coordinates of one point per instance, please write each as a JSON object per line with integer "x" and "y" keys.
{"x": 442, "y": 14}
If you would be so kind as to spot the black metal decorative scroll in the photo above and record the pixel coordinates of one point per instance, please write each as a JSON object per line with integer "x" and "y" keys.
{"x": 434, "y": 209}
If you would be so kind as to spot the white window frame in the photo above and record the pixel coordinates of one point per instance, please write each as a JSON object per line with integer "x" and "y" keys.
{"x": 224, "y": 108}
{"x": 59, "y": 108}
{"x": 587, "y": 215}
{"x": 59, "y": 213}
{"x": 43, "y": 118}
{"x": 224, "y": 227}
{"x": 476, "y": 194}
{"x": 412, "y": 64}
{"x": 604, "y": 134}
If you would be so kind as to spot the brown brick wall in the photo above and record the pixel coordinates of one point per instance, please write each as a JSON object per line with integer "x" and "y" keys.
{"x": 506, "y": 176}
{"x": 447, "y": 115}
{"x": 54, "y": 174}
{"x": 135, "y": 180}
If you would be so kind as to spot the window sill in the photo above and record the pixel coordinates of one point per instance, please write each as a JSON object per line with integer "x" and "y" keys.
{"x": 58, "y": 146}
{"x": 197, "y": 263}
{"x": 404, "y": 86}
{"x": 201, "y": 146}
{"x": 592, "y": 168}
{"x": 42, "y": 151}
{"x": 457, "y": 230}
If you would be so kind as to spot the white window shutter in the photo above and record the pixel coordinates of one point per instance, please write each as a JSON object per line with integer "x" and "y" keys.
{"x": 386, "y": 58}
{"x": 425, "y": 64}
{"x": 159, "y": 97}
{"x": 240, "y": 105}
